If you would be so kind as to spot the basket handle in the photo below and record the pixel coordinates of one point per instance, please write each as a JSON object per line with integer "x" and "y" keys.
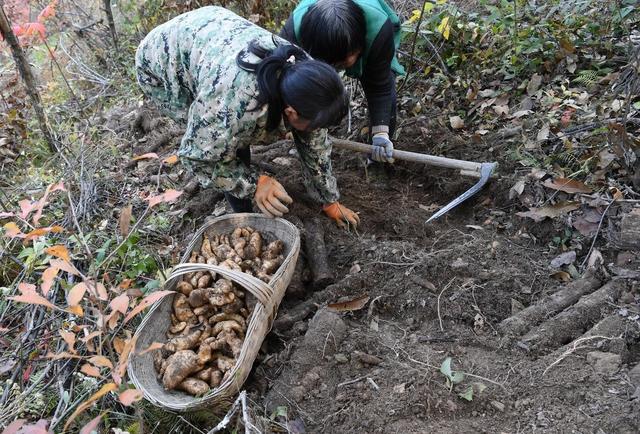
{"x": 262, "y": 291}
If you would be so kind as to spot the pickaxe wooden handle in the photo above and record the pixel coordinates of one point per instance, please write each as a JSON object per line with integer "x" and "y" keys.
{"x": 467, "y": 168}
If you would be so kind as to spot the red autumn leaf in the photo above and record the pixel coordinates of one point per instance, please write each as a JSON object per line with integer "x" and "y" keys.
{"x": 43, "y": 201}
{"x": 566, "y": 117}
{"x": 120, "y": 304}
{"x": 14, "y": 426}
{"x": 130, "y": 396}
{"x": 64, "y": 266}
{"x": 18, "y": 30}
{"x": 92, "y": 426}
{"x": 35, "y": 29}
{"x": 39, "y": 427}
{"x": 90, "y": 370}
{"x": 146, "y": 302}
{"x": 76, "y": 294}
{"x": 82, "y": 407}
{"x": 69, "y": 338}
{"x": 59, "y": 251}
{"x": 153, "y": 347}
{"x": 101, "y": 362}
{"x": 48, "y": 12}
{"x": 29, "y": 296}
{"x": 47, "y": 279}
{"x": 26, "y": 206}
{"x": 147, "y": 156}
{"x": 12, "y": 230}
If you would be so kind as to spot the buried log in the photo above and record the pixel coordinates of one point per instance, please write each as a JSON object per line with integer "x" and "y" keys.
{"x": 574, "y": 321}
{"x": 533, "y": 315}
{"x": 316, "y": 253}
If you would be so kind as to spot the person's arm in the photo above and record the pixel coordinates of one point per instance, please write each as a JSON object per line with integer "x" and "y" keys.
{"x": 377, "y": 78}
{"x": 315, "y": 154}
{"x": 314, "y": 150}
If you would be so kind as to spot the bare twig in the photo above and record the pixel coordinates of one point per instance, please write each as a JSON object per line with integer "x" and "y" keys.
{"x": 440, "y": 295}
{"x": 595, "y": 237}
{"x": 575, "y": 347}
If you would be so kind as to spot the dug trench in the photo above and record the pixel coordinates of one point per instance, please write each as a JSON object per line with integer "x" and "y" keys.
{"x": 527, "y": 353}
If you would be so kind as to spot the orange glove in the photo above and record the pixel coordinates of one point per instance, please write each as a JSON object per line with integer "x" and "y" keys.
{"x": 341, "y": 214}
{"x": 271, "y": 197}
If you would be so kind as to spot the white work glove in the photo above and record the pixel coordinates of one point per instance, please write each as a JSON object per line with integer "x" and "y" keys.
{"x": 382, "y": 148}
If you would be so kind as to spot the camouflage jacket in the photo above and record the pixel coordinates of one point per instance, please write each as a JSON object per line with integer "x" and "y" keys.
{"x": 188, "y": 67}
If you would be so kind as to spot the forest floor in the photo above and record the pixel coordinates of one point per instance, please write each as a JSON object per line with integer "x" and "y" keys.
{"x": 518, "y": 311}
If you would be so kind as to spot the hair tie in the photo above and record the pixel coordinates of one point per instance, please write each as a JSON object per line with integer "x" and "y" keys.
{"x": 292, "y": 59}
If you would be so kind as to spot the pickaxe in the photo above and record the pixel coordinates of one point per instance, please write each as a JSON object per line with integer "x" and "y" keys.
{"x": 467, "y": 168}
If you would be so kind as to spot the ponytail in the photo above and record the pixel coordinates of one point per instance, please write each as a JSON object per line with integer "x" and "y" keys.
{"x": 287, "y": 76}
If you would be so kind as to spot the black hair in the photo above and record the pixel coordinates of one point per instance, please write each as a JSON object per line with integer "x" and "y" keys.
{"x": 331, "y": 30}
{"x": 287, "y": 76}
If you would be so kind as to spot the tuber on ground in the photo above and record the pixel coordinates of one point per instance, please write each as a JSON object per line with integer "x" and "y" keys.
{"x": 210, "y": 314}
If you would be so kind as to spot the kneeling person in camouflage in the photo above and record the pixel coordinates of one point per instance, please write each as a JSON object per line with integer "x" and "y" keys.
{"x": 234, "y": 84}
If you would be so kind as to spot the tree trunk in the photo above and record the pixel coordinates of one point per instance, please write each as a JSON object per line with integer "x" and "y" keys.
{"x": 27, "y": 77}
{"x": 112, "y": 24}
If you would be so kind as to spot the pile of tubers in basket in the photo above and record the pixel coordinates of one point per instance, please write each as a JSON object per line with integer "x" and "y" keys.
{"x": 211, "y": 313}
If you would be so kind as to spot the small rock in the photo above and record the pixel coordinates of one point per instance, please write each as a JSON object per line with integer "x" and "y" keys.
{"x": 367, "y": 359}
{"x": 341, "y": 358}
{"x": 400, "y": 388}
{"x": 283, "y": 161}
{"x": 497, "y": 405}
{"x": 604, "y": 363}
{"x": 516, "y": 306}
{"x": 355, "y": 269}
{"x": 459, "y": 264}
{"x": 634, "y": 375}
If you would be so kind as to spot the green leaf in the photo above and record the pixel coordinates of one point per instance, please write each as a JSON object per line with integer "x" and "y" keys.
{"x": 445, "y": 368}
{"x": 458, "y": 377}
{"x": 467, "y": 394}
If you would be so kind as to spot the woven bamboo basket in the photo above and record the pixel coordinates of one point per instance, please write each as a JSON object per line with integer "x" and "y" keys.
{"x": 156, "y": 322}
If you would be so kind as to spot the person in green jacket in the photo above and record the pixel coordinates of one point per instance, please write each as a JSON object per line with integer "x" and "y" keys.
{"x": 362, "y": 37}
{"x": 234, "y": 84}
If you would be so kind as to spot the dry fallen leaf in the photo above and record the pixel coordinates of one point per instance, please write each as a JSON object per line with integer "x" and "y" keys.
{"x": 59, "y": 251}
{"x": 456, "y": 122}
{"x": 167, "y": 196}
{"x": 551, "y": 211}
{"x": 543, "y": 133}
{"x": 82, "y": 407}
{"x": 29, "y": 296}
{"x": 534, "y": 84}
{"x": 565, "y": 258}
{"x": 516, "y": 190}
{"x": 561, "y": 276}
{"x": 90, "y": 370}
{"x": 149, "y": 155}
{"x": 146, "y": 302}
{"x": 120, "y": 304}
{"x": 92, "y": 425}
{"x": 567, "y": 185}
{"x": 351, "y": 305}
{"x": 101, "y": 362}
{"x": 130, "y": 396}
{"x": 48, "y": 276}
{"x": 76, "y": 294}
{"x": 125, "y": 220}
{"x": 153, "y": 347}
{"x": 171, "y": 160}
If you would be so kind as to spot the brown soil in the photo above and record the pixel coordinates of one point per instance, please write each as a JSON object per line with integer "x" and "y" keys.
{"x": 436, "y": 291}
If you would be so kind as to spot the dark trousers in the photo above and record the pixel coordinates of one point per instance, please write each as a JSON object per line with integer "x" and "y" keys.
{"x": 241, "y": 205}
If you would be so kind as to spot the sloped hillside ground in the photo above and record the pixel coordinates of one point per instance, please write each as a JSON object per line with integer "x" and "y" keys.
{"x": 516, "y": 312}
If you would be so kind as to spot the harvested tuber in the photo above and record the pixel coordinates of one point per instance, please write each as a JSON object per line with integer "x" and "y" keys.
{"x": 185, "y": 288}
{"x": 179, "y": 366}
{"x": 210, "y": 313}
{"x": 194, "y": 386}
{"x": 182, "y": 310}
{"x": 184, "y": 342}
